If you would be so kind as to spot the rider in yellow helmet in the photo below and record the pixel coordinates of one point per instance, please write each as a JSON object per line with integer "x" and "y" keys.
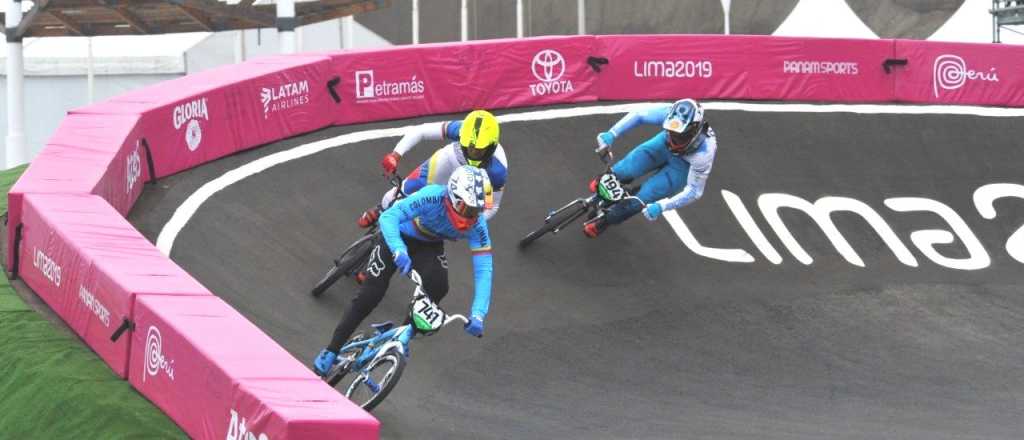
{"x": 471, "y": 141}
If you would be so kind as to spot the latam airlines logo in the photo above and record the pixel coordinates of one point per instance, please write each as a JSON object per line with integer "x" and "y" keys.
{"x": 238, "y": 431}
{"x": 950, "y": 72}
{"x": 190, "y": 113}
{"x": 368, "y": 89}
{"x": 284, "y": 97}
{"x": 155, "y": 360}
{"x": 548, "y": 67}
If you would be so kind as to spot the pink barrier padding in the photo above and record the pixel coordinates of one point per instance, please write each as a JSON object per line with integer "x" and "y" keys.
{"x": 401, "y": 82}
{"x": 444, "y": 78}
{"x": 818, "y": 69}
{"x": 87, "y": 154}
{"x": 674, "y": 66}
{"x": 88, "y": 263}
{"x": 215, "y": 374}
{"x": 961, "y": 73}
{"x": 198, "y": 118}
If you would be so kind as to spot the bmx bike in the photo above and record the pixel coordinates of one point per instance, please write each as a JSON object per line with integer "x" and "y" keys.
{"x": 609, "y": 192}
{"x": 367, "y": 369}
{"x": 356, "y": 255}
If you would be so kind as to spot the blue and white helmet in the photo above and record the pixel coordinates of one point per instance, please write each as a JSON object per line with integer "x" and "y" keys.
{"x": 684, "y": 124}
{"x": 469, "y": 191}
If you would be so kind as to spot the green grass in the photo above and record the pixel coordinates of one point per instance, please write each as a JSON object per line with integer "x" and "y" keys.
{"x": 52, "y": 386}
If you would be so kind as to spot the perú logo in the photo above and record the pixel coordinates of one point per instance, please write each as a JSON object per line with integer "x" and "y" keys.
{"x": 368, "y": 89}
{"x": 284, "y": 97}
{"x": 133, "y": 169}
{"x": 155, "y": 360}
{"x": 950, "y": 73}
{"x": 47, "y": 266}
{"x": 190, "y": 113}
{"x": 238, "y": 431}
{"x": 548, "y": 67}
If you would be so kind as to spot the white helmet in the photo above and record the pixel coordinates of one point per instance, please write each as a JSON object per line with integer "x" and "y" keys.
{"x": 469, "y": 192}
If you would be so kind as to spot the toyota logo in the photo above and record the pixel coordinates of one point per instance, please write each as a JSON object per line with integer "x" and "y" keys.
{"x": 548, "y": 65}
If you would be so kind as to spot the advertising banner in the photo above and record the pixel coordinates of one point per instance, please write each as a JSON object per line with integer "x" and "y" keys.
{"x": 961, "y": 73}
{"x": 674, "y": 66}
{"x": 819, "y": 69}
{"x": 218, "y": 376}
{"x": 88, "y": 263}
{"x": 401, "y": 82}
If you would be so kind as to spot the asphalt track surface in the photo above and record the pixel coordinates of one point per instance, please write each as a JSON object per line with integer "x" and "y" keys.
{"x": 635, "y": 336}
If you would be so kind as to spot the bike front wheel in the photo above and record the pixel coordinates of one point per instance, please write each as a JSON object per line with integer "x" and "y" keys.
{"x": 559, "y": 220}
{"x": 372, "y": 384}
{"x": 349, "y": 262}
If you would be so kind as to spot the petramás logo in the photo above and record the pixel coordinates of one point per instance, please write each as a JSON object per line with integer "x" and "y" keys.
{"x": 548, "y": 67}
{"x": 807, "y": 67}
{"x": 155, "y": 360}
{"x": 238, "y": 431}
{"x": 672, "y": 69}
{"x": 284, "y": 97}
{"x": 189, "y": 114}
{"x": 47, "y": 266}
{"x": 950, "y": 72}
{"x": 368, "y": 89}
{"x": 91, "y": 303}
{"x": 133, "y": 169}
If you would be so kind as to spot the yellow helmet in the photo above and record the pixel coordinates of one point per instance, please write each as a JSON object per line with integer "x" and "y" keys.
{"x": 479, "y": 136}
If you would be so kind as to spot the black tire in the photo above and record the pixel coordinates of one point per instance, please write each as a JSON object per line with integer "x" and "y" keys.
{"x": 350, "y": 261}
{"x": 390, "y": 365}
{"x": 566, "y": 216}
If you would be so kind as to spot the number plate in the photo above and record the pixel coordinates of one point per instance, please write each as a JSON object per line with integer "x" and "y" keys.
{"x": 426, "y": 316}
{"x": 610, "y": 188}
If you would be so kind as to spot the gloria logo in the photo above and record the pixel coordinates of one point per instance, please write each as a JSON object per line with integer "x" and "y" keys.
{"x": 238, "y": 431}
{"x": 370, "y": 90}
{"x": 133, "y": 169}
{"x": 94, "y": 304}
{"x": 155, "y": 360}
{"x": 673, "y": 69}
{"x": 950, "y": 72}
{"x": 820, "y": 67}
{"x": 284, "y": 97}
{"x": 47, "y": 266}
{"x": 548, "y": 67}
{"x": 189, "y": 114}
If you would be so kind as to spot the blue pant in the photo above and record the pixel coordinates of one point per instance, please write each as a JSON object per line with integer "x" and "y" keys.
{"x": 668, "y": 180}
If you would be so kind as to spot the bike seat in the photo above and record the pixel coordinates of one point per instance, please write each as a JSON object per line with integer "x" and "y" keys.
{"x": 382, "y": 327}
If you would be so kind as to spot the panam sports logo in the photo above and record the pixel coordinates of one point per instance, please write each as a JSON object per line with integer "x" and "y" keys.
{"x": 808, "y": 67}
{"x": 548, "y": 67}
{"x": 189, "y": 114}
{"x": 154, "y": 359}
{"x": 950, "y": 72}
{"x": 284, "y": 97}
{"x": 91, "y": 303}
{"x": 368, "y": 89}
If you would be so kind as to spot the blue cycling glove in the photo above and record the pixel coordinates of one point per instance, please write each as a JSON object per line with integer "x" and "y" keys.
{"x": 475, "y": 326}
{"x": 652, "y": 211}
{"x": 604, "y": 142}
{"x": 403, "y": 262}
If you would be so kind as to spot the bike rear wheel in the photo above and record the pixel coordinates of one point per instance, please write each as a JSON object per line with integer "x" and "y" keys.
{"x": 568, "y": 215}
{"x": 349, "y": 262}
{"x": 370, "y": 386}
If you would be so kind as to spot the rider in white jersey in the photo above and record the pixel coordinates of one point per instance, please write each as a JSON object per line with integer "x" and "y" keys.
{"x": 472, "y": 141}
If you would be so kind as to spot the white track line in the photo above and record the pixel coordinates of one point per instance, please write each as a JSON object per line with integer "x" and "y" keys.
{"x": 181, "y": 216}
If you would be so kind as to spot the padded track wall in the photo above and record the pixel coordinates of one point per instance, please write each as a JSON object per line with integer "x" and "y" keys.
{"x": 78, "y": 253}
